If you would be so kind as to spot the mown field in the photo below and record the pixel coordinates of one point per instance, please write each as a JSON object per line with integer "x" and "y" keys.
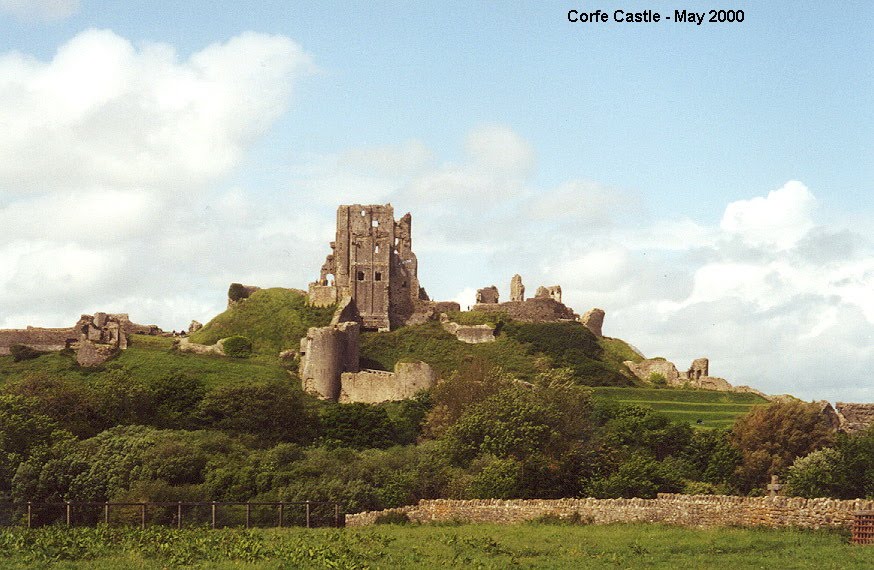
{"x": 700, "y": 408}
{"x": 464, "y": 546}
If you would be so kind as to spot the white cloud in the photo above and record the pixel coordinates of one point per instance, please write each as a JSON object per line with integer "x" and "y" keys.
{"x": 40, "y": 9}
{"x": 780, "y": 219}
{"x": 110, "y": 166}
{"x": 102, "y": 112}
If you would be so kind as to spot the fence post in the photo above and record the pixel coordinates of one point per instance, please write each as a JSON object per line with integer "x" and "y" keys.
{"x": 308, "y": 514}
{"x": 29, "y": 514}
{"x": 213, "y": 514}
{"x": 248, "y": 513}
{"x": 337, "y": 515}
{"x": 179, "y": 514}
{"x": 69, "y": 509}
{"x": 143, "y": 516}
{"x": 281, "y": 505}
{"x": 106, "y": 513}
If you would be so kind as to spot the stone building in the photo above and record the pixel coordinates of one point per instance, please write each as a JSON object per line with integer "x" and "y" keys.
{"x": 372, "y": 261}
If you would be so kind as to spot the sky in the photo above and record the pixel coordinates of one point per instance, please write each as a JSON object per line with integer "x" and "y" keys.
{"x": 708, "y": 186}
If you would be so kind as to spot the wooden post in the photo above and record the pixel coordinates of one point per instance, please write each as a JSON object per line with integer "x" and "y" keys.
{"x": 179, "y": 515}
{"x": 29, "y": 514}
{"x": 281, "y": 505}
{"x": 69, "y": 509}
{"x": 337, "y": 515}
{"x": 308, "y": 514}
{"x": 106, "y": 513}
{"x": 142, "y": 516}
{"x": 213, "y": 514}
{"x": 248, "y": 513}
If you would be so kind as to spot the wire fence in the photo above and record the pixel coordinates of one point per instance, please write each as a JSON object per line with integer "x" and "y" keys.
{"x": 179, "y": 514}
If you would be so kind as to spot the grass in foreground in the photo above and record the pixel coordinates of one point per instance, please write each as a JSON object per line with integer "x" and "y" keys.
{"x": 478, "y": 546}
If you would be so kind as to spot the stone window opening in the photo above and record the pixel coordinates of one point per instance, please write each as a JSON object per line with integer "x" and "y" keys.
{"x": 363, "y": 213}
{"x": 374, "y": 223}
{"x": 377, "y": 276}
{"x": 376, "y": 249}
{"x": 360, "y": 276}
{"x": 404, "y": 284}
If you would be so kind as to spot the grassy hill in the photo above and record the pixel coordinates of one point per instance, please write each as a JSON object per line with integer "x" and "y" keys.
{"x": 713, "y": 409}
{"x": 149, "y": 359}
{"x": 522, "y": 349}
{"x": 273, "y": 319}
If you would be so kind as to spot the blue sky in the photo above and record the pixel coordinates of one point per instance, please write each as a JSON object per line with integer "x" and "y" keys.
{"x": 708, "y": 186}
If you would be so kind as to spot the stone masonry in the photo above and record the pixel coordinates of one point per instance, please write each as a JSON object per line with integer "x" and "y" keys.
{"x": 517, "y": 289}
{"x": 683, "y": 510}
{"x": 372, "y": 261}
{"x": 96, "y": 338}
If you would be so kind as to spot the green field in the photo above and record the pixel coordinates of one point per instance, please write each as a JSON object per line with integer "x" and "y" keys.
{"x": 713, "y": 409}
{"x": 463, "y": 546}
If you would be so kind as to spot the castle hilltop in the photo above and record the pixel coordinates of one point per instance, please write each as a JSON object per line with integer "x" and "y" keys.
{"x": 369, "y": 283}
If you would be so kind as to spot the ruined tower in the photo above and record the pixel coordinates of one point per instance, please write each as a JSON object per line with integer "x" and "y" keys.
{"x": 373, "y": 263}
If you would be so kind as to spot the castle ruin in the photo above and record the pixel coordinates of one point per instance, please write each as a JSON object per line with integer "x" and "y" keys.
{"x": 373, "y": 263}
{"x": 95, "y": 338}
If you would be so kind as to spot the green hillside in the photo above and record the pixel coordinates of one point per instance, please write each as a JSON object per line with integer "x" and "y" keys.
{"x": 148, "y": 359}
{"x": 273, "y": 319}
{"x": 713, "y": 409}
{"x": 521, "y": 349}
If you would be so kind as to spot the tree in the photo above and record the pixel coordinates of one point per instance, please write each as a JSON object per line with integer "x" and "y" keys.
{"x": 515, "y": 422}
{"x": 817, "y": 474}
{"x": 359, "y": 426}
{"x": 273, "y": 410}
{"x": 771, "y": 437}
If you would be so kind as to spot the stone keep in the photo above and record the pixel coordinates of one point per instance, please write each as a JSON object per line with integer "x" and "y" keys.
{"x": 373, "y": 263}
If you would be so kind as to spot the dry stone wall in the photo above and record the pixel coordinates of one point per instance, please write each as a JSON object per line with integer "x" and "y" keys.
{"x": 683, "y": 510}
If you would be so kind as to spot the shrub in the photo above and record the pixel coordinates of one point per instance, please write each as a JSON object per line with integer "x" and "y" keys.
{"x": 237, "y": 347}
{"x": 657, "y": 379}
{"x": 237, "y": 291}
{"x": 21, "y": 352}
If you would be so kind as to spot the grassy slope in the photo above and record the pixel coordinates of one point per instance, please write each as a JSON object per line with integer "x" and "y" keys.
{"x": 714, "y": 409}
{"x": 430, "y": 343}
{"x": 150, "y": 358}
{"x": 273, "y": 319}
{"x": 463, "y": 546}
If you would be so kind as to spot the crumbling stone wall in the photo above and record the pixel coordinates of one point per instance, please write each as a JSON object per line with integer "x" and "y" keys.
{"x": 96, "y": 338}
{"x": 683, "y": 510}
{"x": 517, "y": 288}
{"x": 695, "y": 377}
{"x": 700, "y": 367}
{"x": 534, "y": 310}
{"x": 48, "y": 340}
{"x": 375, "y": 386}
{"x": 101, "y": 336}
{"x": 855, "y": 417}
{"x": 471, "y": 334}
{"x": 552, "y": 292}
{"x": 487, "y": 295}
{"x": 594, "y": 321}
